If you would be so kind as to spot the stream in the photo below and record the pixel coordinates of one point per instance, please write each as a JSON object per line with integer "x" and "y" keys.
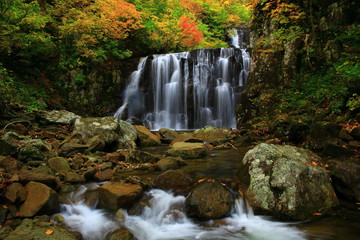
{"x": 164, "y": 218}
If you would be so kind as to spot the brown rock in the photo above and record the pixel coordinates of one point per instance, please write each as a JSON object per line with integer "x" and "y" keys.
{"x": 73, "y": 177}
{"x": 15, "y": 192}
{"x": 40, "y": 199}
{"x": 59, "y": 165}
{"x": 26, "y": 176}
{"x": 104, "y": 175}
{"x": 172, "y": 179}
{"x": 115, "y": 195}
{"x": 147, "y": 138}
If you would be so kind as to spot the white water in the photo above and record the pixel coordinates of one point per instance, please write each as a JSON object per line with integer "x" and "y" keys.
{"x": 186, "y": 90}
{"x": 165, "y": 219}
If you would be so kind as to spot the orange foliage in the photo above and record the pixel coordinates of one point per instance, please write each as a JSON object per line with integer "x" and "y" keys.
{"x": 192, "y": 36}
{"x": 118, "y": 17}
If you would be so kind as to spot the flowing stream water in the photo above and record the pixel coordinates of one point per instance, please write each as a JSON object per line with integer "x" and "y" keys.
{"x": 165, "y": 219}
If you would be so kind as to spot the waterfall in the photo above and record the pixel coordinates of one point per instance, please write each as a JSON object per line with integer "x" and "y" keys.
{"x": 187, "y": 90}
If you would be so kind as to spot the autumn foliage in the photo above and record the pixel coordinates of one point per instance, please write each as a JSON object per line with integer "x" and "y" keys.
{"x": 192, "y": 36}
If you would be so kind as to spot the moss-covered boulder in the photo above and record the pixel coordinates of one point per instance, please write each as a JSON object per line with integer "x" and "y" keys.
{"x": 187, "y": 150}
{"x": 33, "y": 229}
{"x": 114, "y": 132}
{"x": 288, "y": 181}
{"x": 209, "y": 200}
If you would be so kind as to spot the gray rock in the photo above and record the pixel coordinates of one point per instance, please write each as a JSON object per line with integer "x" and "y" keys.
{"x": 60, "y": 116}
{"x": 115, "y": 133}
{"x": 288, "y": 181}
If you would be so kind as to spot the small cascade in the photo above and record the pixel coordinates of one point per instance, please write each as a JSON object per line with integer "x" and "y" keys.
{"x": 164, "y": 219}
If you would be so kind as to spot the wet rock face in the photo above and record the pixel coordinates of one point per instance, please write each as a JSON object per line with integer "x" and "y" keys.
{"x": 288, "y": 181}
{"x": 209, "y": 200}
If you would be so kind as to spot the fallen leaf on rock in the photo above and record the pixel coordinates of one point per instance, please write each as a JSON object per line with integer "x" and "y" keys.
{"x": 49, "y": 232}
{"x": 317, "y": 214}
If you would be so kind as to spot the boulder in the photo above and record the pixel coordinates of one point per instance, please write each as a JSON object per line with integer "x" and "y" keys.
{"x": 213, "y": 135}
{"x": 209, "y": 200}
{"x": 172, "y": 180}
{"x": 136, "y": 156}
{"x": 115, "y": 195}
{"x": 122, "y": 234}
{"x": 187, "y": 150}
{"x": 114, "y": 132}
{"x": 40, "y": 199}
{"x": 59, "y": 165}
{"x": 346, "y": 179}
{"x": 69, "y": 149}
{"x": 15, "y": 192}
{"x": 38, "y": 143}
{"x": 73, "y": 177}
{"x": 336, "y": 150}
{"x": 96, "y": 143}
{"x": 288, "y": 181}
{"x": 104, "y": 175}
{"x": 355, "y": 133}
{"x": 7, "y": 148}
{"x": 11, "y": 165}
{"x": 170, "y": 163}
{"x": 30, "y": 153}
{"x": 168, "y": 134}
{"x": 146, "y": 137}
{"x": 60, "y": 116}
{"x": 33, "y": 229}
{"x": 26, "y": 176}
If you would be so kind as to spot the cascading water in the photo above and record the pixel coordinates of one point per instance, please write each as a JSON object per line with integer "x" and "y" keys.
{"x": 164, "y": 219}
{"x": 186, "y": 90}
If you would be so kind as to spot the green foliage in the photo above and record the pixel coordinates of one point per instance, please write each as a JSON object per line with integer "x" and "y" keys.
{"x": 328, "y": 89}
{"x": 13, "y": 92}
